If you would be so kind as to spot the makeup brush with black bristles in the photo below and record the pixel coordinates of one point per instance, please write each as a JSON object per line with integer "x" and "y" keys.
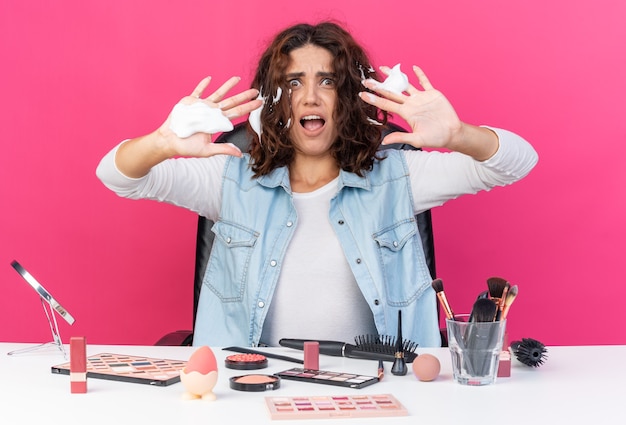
{"x": 478, "y": 336}
{"x": 484, "y": 294}
{"x": 529, "y": 352}
{"x": 484, "y": 310}
{"x": 498, "y": 287}
{"x": 510, "y": 297}
{"x": 437, "y": 285}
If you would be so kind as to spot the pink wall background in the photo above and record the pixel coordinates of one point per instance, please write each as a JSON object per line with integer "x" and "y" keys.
{"x": 79, "y": 76}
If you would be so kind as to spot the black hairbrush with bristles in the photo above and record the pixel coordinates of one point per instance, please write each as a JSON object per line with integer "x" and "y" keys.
{"x": 529, "y": 352}
{"x": 370, "y": 347}
{"x": 386, "y": 344}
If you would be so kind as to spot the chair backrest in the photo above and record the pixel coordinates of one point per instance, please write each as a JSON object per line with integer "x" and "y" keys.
{"x": 204, "y": 237}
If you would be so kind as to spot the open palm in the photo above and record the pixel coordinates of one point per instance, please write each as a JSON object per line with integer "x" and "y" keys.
{"x": 432, "y": 119}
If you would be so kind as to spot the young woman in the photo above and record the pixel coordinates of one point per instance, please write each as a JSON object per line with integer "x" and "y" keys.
{"x": 315, "y": 229}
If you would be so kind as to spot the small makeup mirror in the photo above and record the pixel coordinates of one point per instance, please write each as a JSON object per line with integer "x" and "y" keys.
{"x": 50, "y": 305}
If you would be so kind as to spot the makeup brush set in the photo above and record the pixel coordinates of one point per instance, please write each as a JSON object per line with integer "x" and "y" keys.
{"x": 476, "y": 340}
{"x": 491, "y": 305}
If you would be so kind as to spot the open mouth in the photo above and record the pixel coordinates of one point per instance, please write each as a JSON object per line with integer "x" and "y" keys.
{"x": 312, "y": 122}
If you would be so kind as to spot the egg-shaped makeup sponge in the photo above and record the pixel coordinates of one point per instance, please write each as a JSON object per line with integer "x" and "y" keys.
{"x": 202, "y": 361}
{"x": 426, "y": 367}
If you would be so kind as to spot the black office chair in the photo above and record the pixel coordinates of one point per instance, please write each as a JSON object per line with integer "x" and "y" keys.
{"x": 204, "y": 237}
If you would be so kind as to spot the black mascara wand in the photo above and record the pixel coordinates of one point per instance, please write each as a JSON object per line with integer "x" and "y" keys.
{"x": 399, "y": 364}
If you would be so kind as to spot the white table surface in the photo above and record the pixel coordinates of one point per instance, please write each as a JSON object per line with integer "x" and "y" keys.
{"x": 575, "y": 385}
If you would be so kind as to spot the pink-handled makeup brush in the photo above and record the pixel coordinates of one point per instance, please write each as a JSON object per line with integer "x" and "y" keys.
{"x": 437, "y": 285}
{"x": 510, "y": 297}
{"x": 498, "y": 288}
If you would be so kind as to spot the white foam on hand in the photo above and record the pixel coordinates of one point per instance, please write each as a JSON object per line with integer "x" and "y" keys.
{"x": 198, "y": 117}
{"x": 396, "y": 82}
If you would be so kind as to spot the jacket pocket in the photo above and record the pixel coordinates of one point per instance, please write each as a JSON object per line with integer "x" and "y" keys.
{"x": 398, "y": 253}
{"x": 228, "y": 267}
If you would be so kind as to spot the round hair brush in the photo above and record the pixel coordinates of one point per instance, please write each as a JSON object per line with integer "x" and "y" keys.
{"x": 529, "y": 352}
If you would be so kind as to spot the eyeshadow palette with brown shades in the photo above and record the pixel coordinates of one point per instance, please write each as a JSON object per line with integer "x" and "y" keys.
{"x": 125, "y": 368}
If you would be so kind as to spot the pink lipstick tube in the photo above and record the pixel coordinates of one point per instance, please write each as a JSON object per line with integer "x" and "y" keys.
{"x": 312, "y": 355}
{"x": 78, "y": 365}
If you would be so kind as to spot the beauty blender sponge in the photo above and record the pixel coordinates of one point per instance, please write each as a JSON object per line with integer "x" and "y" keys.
{"x": 426, "y": 367}
{"x": 200, "y": 375}
{"x": 202, "y": 361}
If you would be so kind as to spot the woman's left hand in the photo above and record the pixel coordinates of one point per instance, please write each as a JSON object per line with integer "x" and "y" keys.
{"x": 433, "y": 120}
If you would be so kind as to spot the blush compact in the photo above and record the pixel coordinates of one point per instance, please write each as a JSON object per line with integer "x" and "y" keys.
{"x": 255, "y": 382}
{"x": 246, "y": 361}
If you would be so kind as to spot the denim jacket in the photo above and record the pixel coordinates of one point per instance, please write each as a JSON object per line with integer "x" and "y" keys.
{"x": 374, "y": 221}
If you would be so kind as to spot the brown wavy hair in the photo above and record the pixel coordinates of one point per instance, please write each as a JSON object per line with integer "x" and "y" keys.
{"x": 357, "y": 137}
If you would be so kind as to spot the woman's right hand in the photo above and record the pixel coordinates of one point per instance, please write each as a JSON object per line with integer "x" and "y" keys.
{"x": 201, "y": 144}
{"x": 137, "y": 156}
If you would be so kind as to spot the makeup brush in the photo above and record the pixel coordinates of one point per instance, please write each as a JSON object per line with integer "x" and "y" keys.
{"x": 510, "y": 297}
{"x": 484, "y": 310}
{"x": 529, "y": 352}
{"x": 501, "y": 302}
{"x": 437, "y": 285}
{"x": 479, "y": 336}
{"x": 399, "y": 364}
{"x": 484, "y": 294}
{"x": 498, "y": 287}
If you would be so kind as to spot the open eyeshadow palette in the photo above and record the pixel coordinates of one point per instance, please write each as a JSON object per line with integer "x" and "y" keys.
{"x": 119, "y": 367}
{"x": 340, "y": 379}
{"x": 349, "y": 406}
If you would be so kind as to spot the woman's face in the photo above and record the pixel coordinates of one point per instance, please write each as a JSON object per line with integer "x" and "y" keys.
{"x": 311, "y": 80}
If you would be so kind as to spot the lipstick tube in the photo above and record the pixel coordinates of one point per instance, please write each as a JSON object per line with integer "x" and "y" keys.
{"x": 78, "y": 365}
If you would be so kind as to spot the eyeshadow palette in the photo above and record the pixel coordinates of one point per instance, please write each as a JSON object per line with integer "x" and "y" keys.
{"x": 339, "y": 379}
{"x": 318, "y": 407}
{"x": 119, "y": 367}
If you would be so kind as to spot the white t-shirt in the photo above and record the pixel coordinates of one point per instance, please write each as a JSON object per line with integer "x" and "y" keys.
{"x": 315, "y": 279}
